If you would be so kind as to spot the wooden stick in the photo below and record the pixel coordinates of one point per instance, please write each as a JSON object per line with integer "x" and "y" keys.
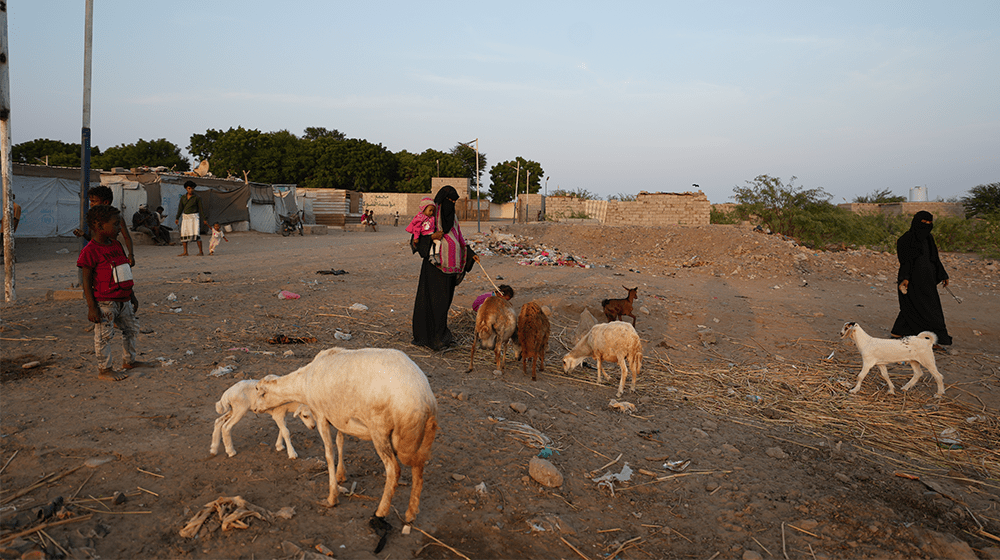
{"x": 480, "y": 263}
{"x": 148, "y": 491}
{"x": 440, "y": 543}
{"x": 783, "y": 549}
{"x": 573, "y": 547}
{"x": 9, "y": 460}
{"x": 622, "y": 547}
{"x": 55, "y": 543}
{"x": 803, "y": 531}
{"x": 762, "y": 546}
{"x": 10, "y": 538}
{"x": 40, "y": 484}
{"x": 150, "y": 473}
{"x": 81, "y": 487}
{"x": 114, "y": 512}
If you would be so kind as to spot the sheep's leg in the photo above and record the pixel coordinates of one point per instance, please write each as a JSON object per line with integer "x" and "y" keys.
{"x": 865, "y": 367}
{"x": 600, "y": 371}
{"x": 284, "y": 436}
{"x": 227, "y": 429}
{"x": 932, "y": 367}
{"x": 324, "y": 433}
{"x": 384, "y": 449}
{"x": 621, "y": 384}
{"x": 885, "y": 375}
{"x": 217, "y": 432}
{"x": 636, "y": 365}
{"x": 534, "y": 364}
{"x": 341, "y": 471}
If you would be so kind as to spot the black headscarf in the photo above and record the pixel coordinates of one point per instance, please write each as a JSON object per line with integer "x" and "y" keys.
{"x": 921, "y": 230}
{"x": 445, "y": 201}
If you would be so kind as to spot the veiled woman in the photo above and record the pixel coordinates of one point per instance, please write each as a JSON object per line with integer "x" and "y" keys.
{"x": 437, "y": 283}
{"x": 920, "y": 271}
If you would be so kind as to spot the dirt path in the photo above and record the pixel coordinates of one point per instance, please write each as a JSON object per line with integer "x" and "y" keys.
{"x": 744, "y": 377}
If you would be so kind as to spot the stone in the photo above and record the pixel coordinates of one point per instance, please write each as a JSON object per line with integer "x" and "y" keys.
{"x": 752, "y": 555}
{"x": 519, "y": 408}
{"x": 776, "y": 452}
{"x": 943, "y": 545}
{"x": 545, "y": 473}
{"x": 731, "y": 449}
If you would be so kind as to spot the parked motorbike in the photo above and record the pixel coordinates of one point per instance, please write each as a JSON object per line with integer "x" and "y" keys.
{"x": 291, "y": 224}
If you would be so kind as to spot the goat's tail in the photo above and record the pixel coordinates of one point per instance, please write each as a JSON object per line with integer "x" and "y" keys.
{"x": 222, "y": 407}
{"x": 928, "y": 335}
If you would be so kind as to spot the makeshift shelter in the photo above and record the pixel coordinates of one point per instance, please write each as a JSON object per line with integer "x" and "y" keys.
{"x": 270, "y": 203}
{"x": 49, "y": 199}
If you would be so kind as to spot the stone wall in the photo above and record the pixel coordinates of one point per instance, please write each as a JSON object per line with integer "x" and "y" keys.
{"x": 648, "y": 209}
{"x": 951, "y": 209}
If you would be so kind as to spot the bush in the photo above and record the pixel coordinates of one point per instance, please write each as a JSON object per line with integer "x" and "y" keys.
{"x": 721, "y": 217}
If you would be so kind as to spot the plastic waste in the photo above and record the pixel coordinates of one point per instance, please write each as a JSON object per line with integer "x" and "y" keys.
{"x": 359, "y": 307}
{"x": 172, "y": 297}
{"x": 285, "y": 294}
{"x": 222, "y": 370}
{"x": 341, "y": 336}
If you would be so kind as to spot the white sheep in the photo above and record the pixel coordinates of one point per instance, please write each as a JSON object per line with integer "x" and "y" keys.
{"x": 495, "y": 325}
{"x": 917, "y": 349}
{"x": 614, "y": 341}
{"x": 235, "y": 403}
{"x": 376, "y": 394}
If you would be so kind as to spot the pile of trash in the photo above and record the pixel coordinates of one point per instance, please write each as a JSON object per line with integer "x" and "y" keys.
{"x": 527, "y": 253}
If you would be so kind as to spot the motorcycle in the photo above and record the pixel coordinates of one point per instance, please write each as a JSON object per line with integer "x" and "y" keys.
{"x": 291, "y": 224}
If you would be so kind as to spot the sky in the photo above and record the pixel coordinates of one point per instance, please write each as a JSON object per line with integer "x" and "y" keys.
{"x": 609, "y": 97}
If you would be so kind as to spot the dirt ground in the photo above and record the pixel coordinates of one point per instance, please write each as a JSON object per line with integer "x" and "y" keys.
{"x": 744, "y": 442}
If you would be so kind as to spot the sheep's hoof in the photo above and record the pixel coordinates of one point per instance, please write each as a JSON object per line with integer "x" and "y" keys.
{"x": 231, "y": 453}
{"x": 382, "y": 528}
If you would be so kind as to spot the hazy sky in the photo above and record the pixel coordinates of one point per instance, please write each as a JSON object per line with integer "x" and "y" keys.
{"x": 610, "y": 97}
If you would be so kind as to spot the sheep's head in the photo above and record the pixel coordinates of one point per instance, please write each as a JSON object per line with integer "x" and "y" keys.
{"x": 261, "y": 401}
{"x": 304, "y": 413}
{"x": 848, "y": 327}
{"x": 570, "y": 363}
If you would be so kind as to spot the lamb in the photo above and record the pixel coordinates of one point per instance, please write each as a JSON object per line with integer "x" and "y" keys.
{"x": 235, "y": 403}
{"x": 616, "y": 341}
{"x": 532, "y": 338}
{"x": 615, "y": 309}
{"x": 375, "y": 394}
{"x": 917, "y": 349}
{"x": 495, "y": 325}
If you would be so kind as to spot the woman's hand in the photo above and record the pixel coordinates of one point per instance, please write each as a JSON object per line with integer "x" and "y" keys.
{"x": 475, "y": 257}
{"x": 437, "y": 235}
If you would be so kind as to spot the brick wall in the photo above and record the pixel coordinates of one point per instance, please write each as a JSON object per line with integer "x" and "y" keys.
{"x": 648, "y": 209}
{"x": 951, "y": 209}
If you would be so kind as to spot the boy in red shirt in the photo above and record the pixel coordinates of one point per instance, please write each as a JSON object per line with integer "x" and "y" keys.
{"x": 107, "y": 287}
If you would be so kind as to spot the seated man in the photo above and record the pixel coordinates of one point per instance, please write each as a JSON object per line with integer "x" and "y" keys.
{"x": 146, "y": 222}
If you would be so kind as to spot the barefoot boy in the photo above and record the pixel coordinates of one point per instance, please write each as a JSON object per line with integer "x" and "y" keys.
{"x": 107, "y": 287}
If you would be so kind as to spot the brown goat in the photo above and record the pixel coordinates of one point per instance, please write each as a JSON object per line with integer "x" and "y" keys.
{"x": 615, "y": 309}
{"x": 495, "y": 324}
{"x": 532, "y": 338}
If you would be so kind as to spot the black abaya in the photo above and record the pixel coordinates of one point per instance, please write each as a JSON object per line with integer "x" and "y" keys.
{"x": 435, "y": 291}
{"x": 920, "y": 307}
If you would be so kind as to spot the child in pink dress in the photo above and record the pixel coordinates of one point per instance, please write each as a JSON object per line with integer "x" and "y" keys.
{"x": 424, "y": 224}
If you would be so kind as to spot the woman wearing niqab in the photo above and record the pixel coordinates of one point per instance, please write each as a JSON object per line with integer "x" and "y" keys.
{"x": 920, "y": 271}
{"x": 436, "y": 287}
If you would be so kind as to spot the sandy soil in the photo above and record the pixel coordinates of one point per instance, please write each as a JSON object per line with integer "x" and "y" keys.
{"x": 744, "y": 376}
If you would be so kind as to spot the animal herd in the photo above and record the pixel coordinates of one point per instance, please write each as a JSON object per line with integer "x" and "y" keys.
{"x": 381, "y": 395}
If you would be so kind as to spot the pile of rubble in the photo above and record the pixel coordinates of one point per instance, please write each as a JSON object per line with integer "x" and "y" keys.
{"x": 521, "y": 248}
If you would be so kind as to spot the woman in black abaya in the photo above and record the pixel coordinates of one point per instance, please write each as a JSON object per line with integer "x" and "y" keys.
{"x": 920, "y": 271}
{"x": 437, "y": 283}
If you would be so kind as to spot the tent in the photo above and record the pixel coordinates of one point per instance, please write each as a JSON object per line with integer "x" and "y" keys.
{"x": 50, "y": 206}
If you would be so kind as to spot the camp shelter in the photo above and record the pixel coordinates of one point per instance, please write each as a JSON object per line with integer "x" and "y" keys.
{"x": 49, "y": 198}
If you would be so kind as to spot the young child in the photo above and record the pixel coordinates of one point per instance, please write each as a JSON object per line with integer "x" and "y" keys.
{"x": 217, "y": 237}
{"x": 424, "y": 224}
{"x": 504, "y": 291}
{"x": 103, "y": 196}
{"x": 107, "y": 287}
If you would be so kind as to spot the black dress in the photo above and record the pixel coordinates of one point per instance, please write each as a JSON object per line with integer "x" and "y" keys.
{"x": 435, "y": 291}
{"x": 920, "y": 307}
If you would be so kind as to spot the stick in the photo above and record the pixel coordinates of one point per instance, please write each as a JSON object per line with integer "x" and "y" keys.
{"x": 622, "y": 547}
{"x": 609, "y": 464}
{"x": 10, "y": 538}
{"x": 444, "y": 545}
{"x": 55, "y": 543}
{"x": 40, "y": 484}
{"x": 783, "y": 550}
{"x": 480, "y": 263}
{"x": 9, "y": 460}
{"x": 148, "y": 491}
{"x": 150, "y": 473}
{"x": 47, "y": 339}
{"x": 81, "y": 487}
{"x": 573, "y": 547}
{"x": 762, "y": 546}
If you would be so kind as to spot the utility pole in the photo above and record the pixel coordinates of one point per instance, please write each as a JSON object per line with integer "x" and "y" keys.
{"x": 88, "y": 42}
{"x": 7, "y": 172}
{"x": 517, "y": 177}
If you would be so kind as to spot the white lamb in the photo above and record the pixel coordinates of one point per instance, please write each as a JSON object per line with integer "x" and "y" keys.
{"x": 375, "y": 394}
{"x": 235, "y": 403}
{"x": 614, "y": 341}
{"x": 917, "y": 349}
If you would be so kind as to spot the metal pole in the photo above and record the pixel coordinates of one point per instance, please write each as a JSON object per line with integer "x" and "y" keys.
{"x": 88, "y": 42}
{"x": 479, "y": 195}
{"x": 5, "y": 144}
{"x": 517, "y": 178}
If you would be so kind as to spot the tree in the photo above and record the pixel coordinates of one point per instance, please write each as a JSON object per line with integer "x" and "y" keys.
{"x": 784, "y": 208}
{"x": 879, "y": 197}
{"x": 983, "y": 200}
{"x": 351, "y": 164}
{"x": 150, "y": 153}
{"x": 272, "y": 157}
{"x": 622, "y": 197}
{"x": 578, "y": 193}
{"x": 467, "y": 155}
{"x": 50, "y": 152}
{"x": 416, "y": 170}
{"x": 508, "y": 175}
{"x": 314, "y": 132}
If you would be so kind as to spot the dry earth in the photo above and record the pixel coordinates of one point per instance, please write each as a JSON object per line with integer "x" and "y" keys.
{"x": 744, "y": 377}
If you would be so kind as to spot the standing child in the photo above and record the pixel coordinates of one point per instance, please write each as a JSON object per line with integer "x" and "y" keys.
{"x": 104, "y": 196}
{"x": 424, "y": 224}
{"x": 107, "y": 287}
{"x": 217, "y": 237}
{"x": 504, "y": 291}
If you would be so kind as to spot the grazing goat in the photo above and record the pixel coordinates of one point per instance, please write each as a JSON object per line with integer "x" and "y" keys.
{"x": 614, "y": 341}
{"x": 615, "y": 309}
{"x": 235, "y": 403}
{"x": 495, "y": 324}
{"x": 375, "y": 394}
{"x": 532, "y": 338}
{"x": 917, "y": 349}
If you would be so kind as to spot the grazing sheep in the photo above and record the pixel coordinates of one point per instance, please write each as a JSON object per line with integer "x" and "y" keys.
{"x": 917, "y": 349}
{"x": 615, "y": 309}
{"x": 495, "y": 324}
{"x": 235, "y": 403}
{"x": 532, "y": 339}
{"x": 615, "y": 341}
{"x": 375, "y": 394}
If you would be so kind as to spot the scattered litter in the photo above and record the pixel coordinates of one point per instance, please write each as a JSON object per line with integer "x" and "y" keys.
{"x": 172, "y": 297}
{"x": 231, "y": 513}
{"x": 481, "y": 488}
{"x": 547, "y": 452}
{"x": 286, "y": 512}
{"x": 62, "y": 251}
{"x": 189, "y": 353}
{"x": 177, "y": 309}
{"x": 624, "y": 476}
{"x": 194, "y": 298}
{"x": 288, "y": 353}
{"x": 949, "y": 439}
{"x": 331, "y": 271}
{"x": 358, "y": 307}
{"x": 624, "y": 407}
{"x": 282, "y": 339}
{"x": 677, "y": 466}
{"x": 341, "y": 335}
{"x": 285, "y": 294}
{"x": 222, "y": 370}
{"x": 525, "y": 434}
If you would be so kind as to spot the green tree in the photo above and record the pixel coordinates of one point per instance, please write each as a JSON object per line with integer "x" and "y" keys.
{"x": 271, "y": 157}
{"x": 416, "y": 170}
{"x": 508, "y": 175}
{"x": 150, "y": 153}
{"x": 622, "y": 197}
{"x": 351, "y": 164}
{"x": 315, "y": 132}
{"x": 879, "y": 197}
{"x": 784, "y": 208}
{"x": 578, "y": 193}
{"x": 982, "y": 200}
{"x": 50, "y": 152}
{"x": 467, "y": 155}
